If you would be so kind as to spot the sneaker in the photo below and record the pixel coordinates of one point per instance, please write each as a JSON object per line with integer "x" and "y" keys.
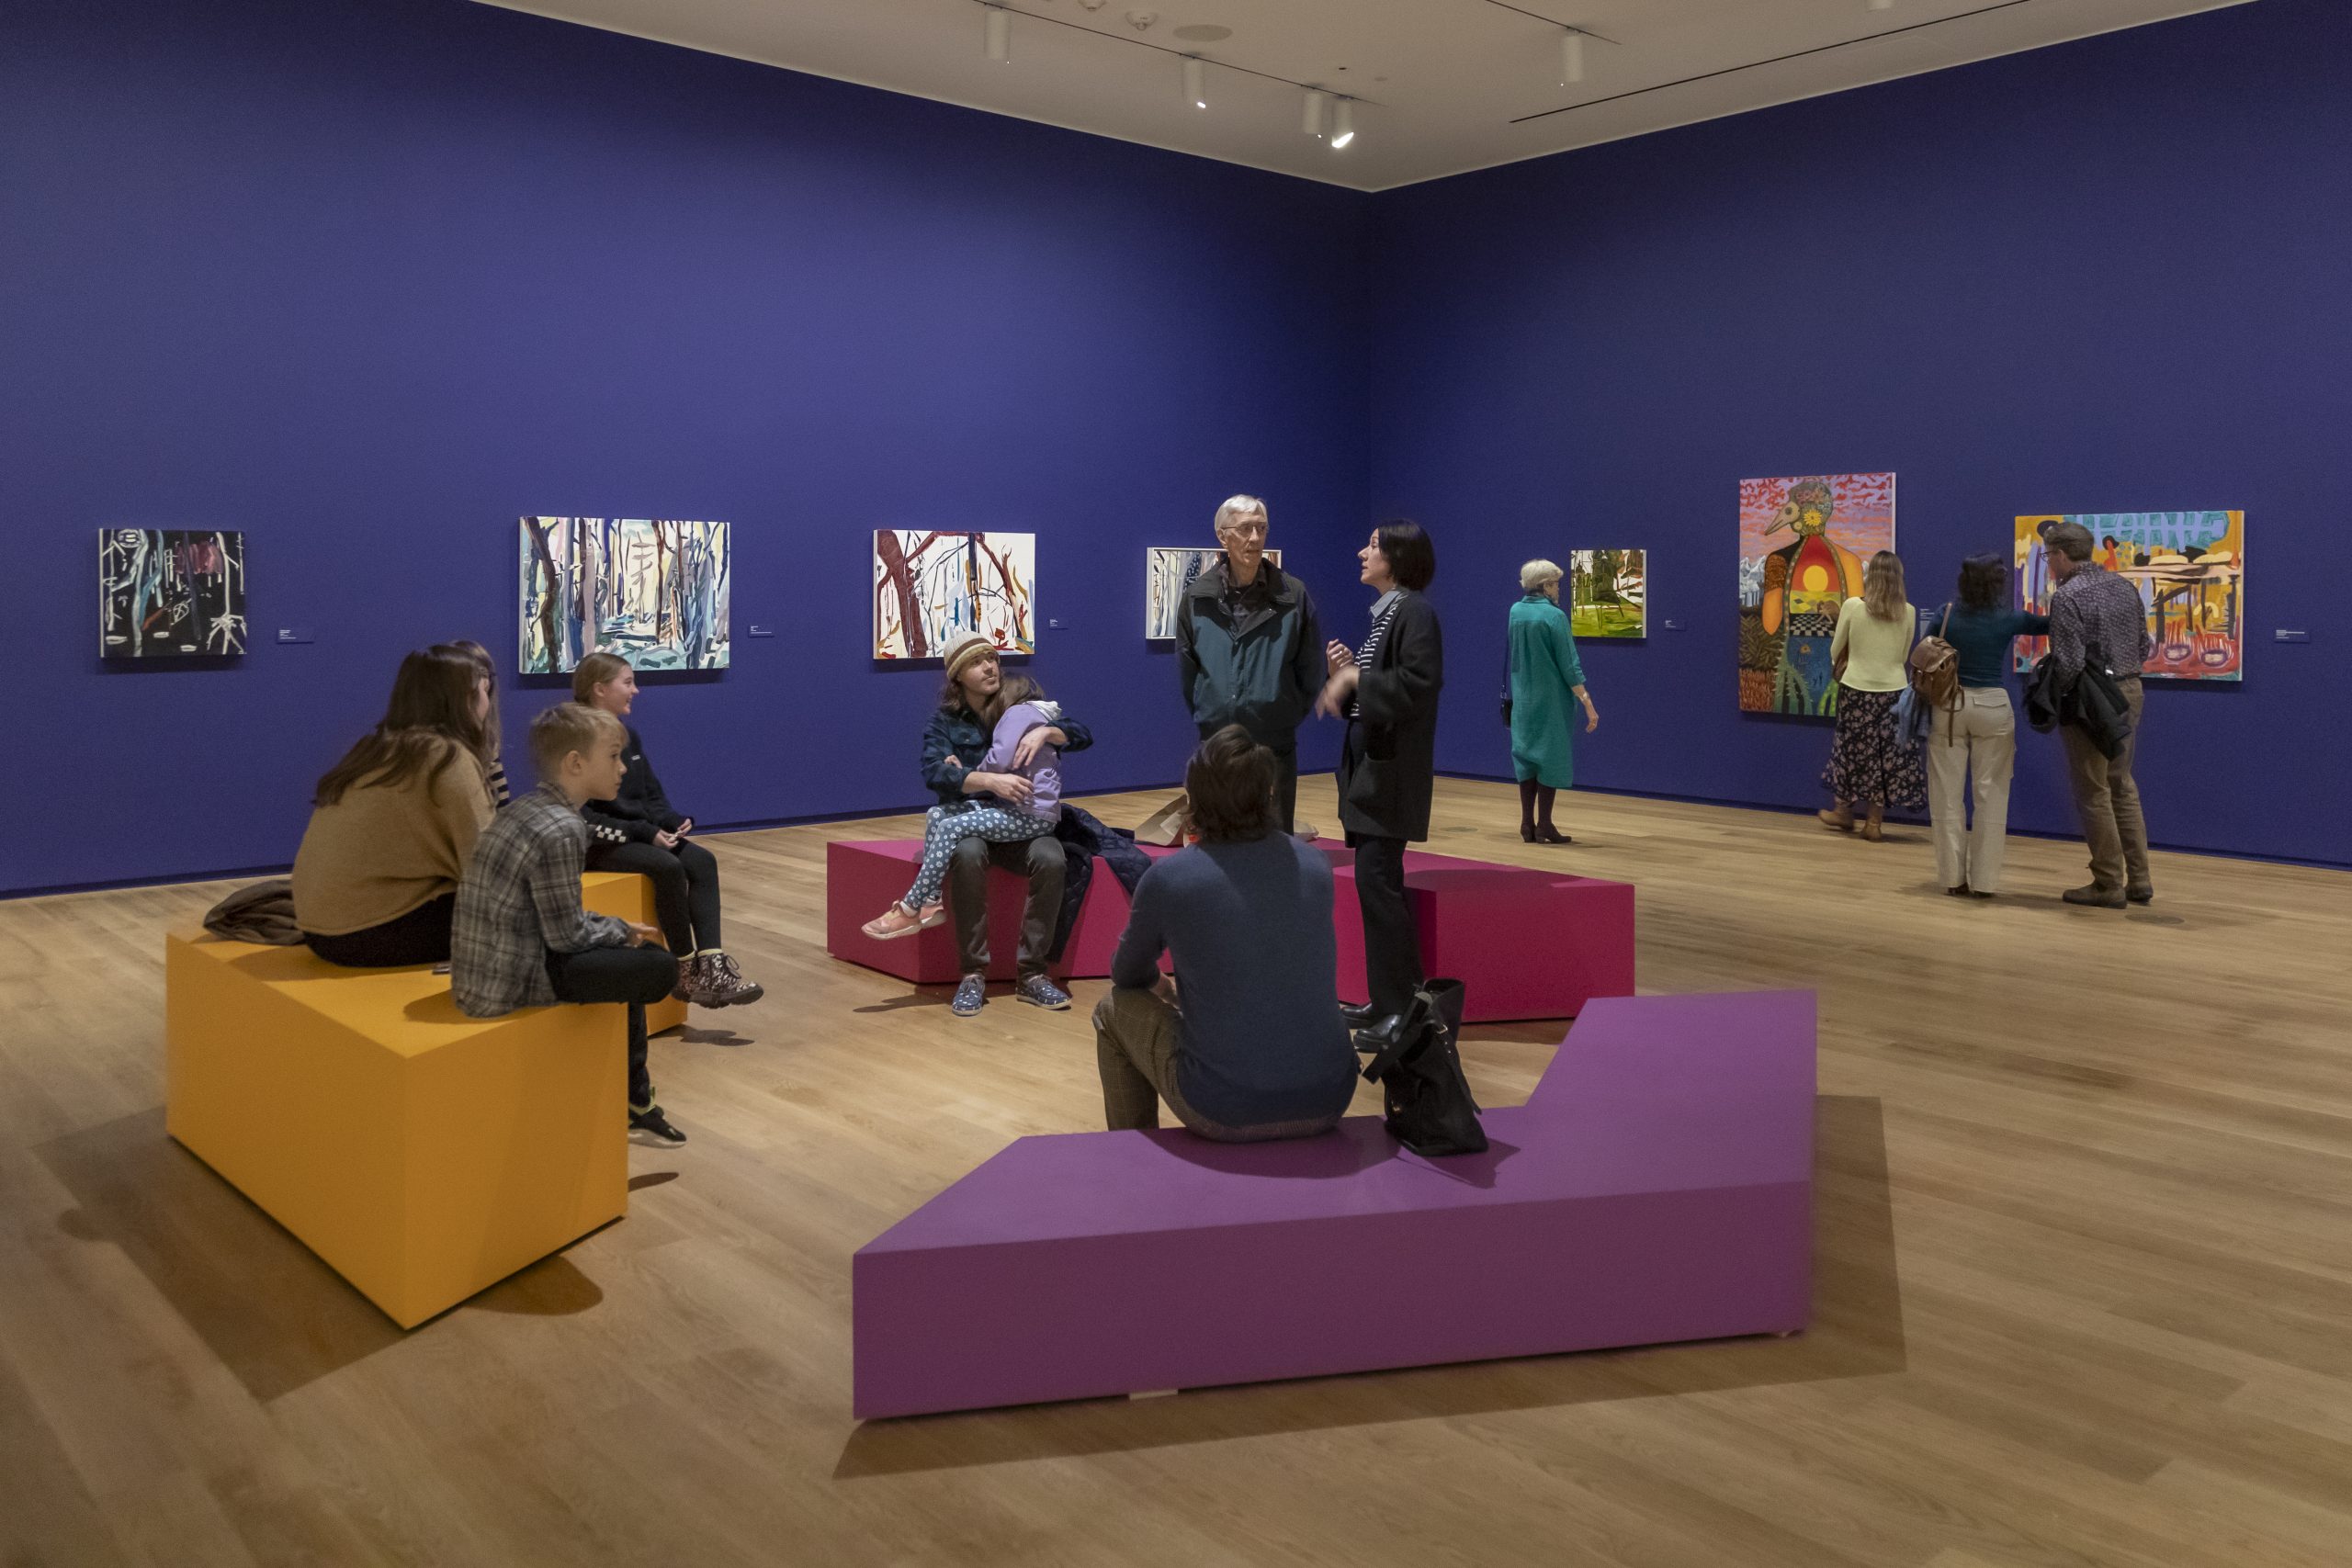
{"x": 933, "y": 915}
{"x": 722, "y": 984}
{"x": 2095, "y": 895}
{"x": 1040, "y": 992}
{"x": 971, "y": 995}
{"x": 649, "y": 1126}
{"x": 898, "y": 920}
{"x": 689, "y": 979}
{"x": 2140, "y": 892}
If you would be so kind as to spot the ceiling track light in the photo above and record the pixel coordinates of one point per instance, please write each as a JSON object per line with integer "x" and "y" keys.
{"x": 1571, "y": 58}
{"x": 1882, "y": 5}
{"x": 1311, "y": 119}
{"x": 1343, "y": 124}
{"x": 1196, "y": 82}
{"x": 999, "y": 33}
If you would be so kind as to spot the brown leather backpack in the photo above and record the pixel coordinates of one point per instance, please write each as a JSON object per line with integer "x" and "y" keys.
{"x": 1935, "y": 674}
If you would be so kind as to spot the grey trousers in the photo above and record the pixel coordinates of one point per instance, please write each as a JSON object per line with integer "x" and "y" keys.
{"x": 1039, "y": 860}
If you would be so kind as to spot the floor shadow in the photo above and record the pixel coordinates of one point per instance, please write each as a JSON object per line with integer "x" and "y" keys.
{"x": 639, "y": 1182}
{"x": 934, "y": 996}
{"x": 691, "y": 1035}
{"x": 275, "y": 1315}
{"x": 553, "y": 1287}
{"x": 1857, "y": 1331}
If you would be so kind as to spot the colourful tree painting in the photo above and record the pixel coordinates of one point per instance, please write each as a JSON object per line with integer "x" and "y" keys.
{"x": 1167, "y": 572}
{"x": 2190, "y": 567}
{"x": 931, "y": 588}
{"x": 1608, "y": 593}
{"x": 1801, "y": 545}
{"x": 652, "y": 590}
{"x": 170, "y": 593}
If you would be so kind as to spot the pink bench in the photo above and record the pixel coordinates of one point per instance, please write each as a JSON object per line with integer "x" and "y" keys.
{"x": 1658, "y": 1187}
{"x": 1526, "y": 943}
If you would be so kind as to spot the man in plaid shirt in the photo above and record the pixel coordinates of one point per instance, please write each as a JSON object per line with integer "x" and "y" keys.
{"x": 520, "y": 937}
{"x": 2095, "y": 614}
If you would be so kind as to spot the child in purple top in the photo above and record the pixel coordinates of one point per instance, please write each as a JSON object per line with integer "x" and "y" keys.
{"x": 1000, "y": 822}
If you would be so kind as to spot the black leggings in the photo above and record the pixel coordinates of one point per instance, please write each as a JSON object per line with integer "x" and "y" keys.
{"x": 421, "y": 936}
{"x": 633, "y": 975}
{"x": 685, "y": 888}
{"x": 1392, "y": 936}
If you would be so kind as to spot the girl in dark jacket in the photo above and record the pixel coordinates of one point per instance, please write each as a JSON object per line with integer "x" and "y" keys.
{"x": 638, "y": 830}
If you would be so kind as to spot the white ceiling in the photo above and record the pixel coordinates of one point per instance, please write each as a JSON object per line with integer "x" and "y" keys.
{"x": 1446, "y": 84}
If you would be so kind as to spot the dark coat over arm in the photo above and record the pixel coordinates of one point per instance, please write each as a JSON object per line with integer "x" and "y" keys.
{"x": 1388, "y": 766}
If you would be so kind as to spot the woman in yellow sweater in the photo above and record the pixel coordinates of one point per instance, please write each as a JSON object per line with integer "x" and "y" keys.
{"x": 1870, "y": 768}
{"x": 375, "y": 879}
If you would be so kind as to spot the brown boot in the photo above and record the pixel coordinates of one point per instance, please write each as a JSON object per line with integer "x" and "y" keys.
{"x": 1840, "y": 817}
{"x": 1870, "y": 826}
{"x": 689, "y": 979}
{"x": 721, "y": 984}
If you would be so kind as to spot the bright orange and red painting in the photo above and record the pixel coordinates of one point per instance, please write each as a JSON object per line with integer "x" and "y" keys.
{"x": 2190, "y": 567}
{"x": 1802, "y": 543}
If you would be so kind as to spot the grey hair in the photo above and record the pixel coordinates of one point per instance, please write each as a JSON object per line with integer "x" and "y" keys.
{"x": 1536, "y": 574}
{"x": 1237, "y": 507}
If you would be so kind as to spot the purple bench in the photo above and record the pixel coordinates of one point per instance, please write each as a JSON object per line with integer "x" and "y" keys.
{"x": 1657, "y": 1187}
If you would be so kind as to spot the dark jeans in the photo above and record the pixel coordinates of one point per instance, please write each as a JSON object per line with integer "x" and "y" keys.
{"x": 685, "y": 888}
{"x": 633, "y": 975}
{"x": 1042, "y": 861}
{"x": 1392, "y": 939}
{"x": 421, "y": 936}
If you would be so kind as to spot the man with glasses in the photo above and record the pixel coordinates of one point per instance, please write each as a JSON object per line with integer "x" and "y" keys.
{"x": 1249, "y": 647}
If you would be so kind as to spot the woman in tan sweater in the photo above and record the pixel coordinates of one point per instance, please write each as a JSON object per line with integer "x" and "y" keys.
{"x": 375, "y": 879}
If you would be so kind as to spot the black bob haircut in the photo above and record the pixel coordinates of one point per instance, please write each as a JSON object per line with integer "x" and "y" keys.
{"x": 1412, "y": 559}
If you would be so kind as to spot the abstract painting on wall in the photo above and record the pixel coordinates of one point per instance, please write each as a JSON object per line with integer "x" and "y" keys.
{"x": 652, "y": 590}
{"x": 931, "y": 588}
{"x": 170, "y": 593}
{"x": 1607, "y": 592}
{"x": 1167, "y": 572}
{"x": 2190, "y": 569}
{"x": 1801, "y": 545}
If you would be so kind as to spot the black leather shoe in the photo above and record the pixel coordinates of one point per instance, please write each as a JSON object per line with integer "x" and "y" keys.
{"x": 1380, "y": 1033}
{"x": 1358, "y": 1014}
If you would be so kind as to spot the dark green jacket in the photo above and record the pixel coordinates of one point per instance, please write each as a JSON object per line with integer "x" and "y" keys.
{"x": 1263, "y": 671}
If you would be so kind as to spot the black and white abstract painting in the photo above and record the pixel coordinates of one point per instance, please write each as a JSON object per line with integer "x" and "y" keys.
{"x": 170, "y": 593}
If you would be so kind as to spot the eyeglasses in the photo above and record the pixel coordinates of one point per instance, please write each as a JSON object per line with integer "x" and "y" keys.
{"x": 1246, "y": 530}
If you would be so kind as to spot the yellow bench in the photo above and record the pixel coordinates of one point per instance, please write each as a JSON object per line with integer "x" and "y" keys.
{"x": 426, "y": 1156}
{"x": 628, "y": 896}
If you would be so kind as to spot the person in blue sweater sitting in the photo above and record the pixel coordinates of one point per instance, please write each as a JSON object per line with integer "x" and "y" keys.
{"x": 1255, "y": 1049}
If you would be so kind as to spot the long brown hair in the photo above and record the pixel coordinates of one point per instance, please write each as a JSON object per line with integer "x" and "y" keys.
{"x": 492, "y": 743}
{"x": 595, "y": 670}
{"x": 432, "y": 710}
{"x": 1013, "y": 689}
{"x": 1883, "y": 586}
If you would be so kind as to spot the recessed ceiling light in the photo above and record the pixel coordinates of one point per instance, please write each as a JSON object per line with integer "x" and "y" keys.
{"x": 1203, "y": 32}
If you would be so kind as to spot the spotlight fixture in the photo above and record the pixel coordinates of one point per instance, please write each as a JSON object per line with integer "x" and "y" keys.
{"x": 1000, "y": 34}
{"x": 1882, "y": 5}
{"x": 1196, "y": 90}
{"x": 1311, "y": 120}
{"x": 1343, "y": 124}
{"x": 1571, "y": 58}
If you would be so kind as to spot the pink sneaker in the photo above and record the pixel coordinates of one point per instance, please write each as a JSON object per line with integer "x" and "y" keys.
{"x": 898, "y": 920}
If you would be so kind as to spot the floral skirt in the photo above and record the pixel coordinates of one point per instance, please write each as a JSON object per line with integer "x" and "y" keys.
{"x": 1867, "y": 764}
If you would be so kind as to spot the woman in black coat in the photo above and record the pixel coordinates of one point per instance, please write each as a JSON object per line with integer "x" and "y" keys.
{"x": 1388, "y": 690}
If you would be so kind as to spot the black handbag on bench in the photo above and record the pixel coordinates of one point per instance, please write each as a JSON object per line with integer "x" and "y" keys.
{"x": 1429, "y": 1109}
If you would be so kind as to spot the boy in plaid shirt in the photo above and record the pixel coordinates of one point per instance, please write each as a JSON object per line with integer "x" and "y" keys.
{"x": 520, "y": 937}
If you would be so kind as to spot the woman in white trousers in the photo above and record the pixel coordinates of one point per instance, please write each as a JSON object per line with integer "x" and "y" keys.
{"x": 1974, "y": 748}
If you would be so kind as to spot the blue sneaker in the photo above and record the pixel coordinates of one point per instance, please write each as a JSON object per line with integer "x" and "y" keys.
{"x": 1040, "y": 992}
{"x": 971, "y": 995}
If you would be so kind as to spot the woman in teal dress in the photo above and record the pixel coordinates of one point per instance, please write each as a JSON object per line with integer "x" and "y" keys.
{"x": 1544, "y": 674}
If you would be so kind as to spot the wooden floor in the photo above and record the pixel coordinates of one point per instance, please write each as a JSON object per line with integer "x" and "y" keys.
{"x": 2085, "y": 1290}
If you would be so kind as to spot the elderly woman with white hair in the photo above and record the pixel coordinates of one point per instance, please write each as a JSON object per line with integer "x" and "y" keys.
{"x": 1544, "y": 674}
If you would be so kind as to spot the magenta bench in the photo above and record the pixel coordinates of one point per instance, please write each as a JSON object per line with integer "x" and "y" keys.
{"x": 1658, "y": 1187}
{"x": 1525, "y": 942}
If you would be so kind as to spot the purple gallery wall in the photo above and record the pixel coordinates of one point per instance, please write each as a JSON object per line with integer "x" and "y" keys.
{"x": 2107, "y": 277}
{"x": 371, "y": 280}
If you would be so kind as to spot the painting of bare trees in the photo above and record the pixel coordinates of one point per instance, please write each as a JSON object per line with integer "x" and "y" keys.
{"x": 930, "y": 588}
{"x": 652, "y": 590}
